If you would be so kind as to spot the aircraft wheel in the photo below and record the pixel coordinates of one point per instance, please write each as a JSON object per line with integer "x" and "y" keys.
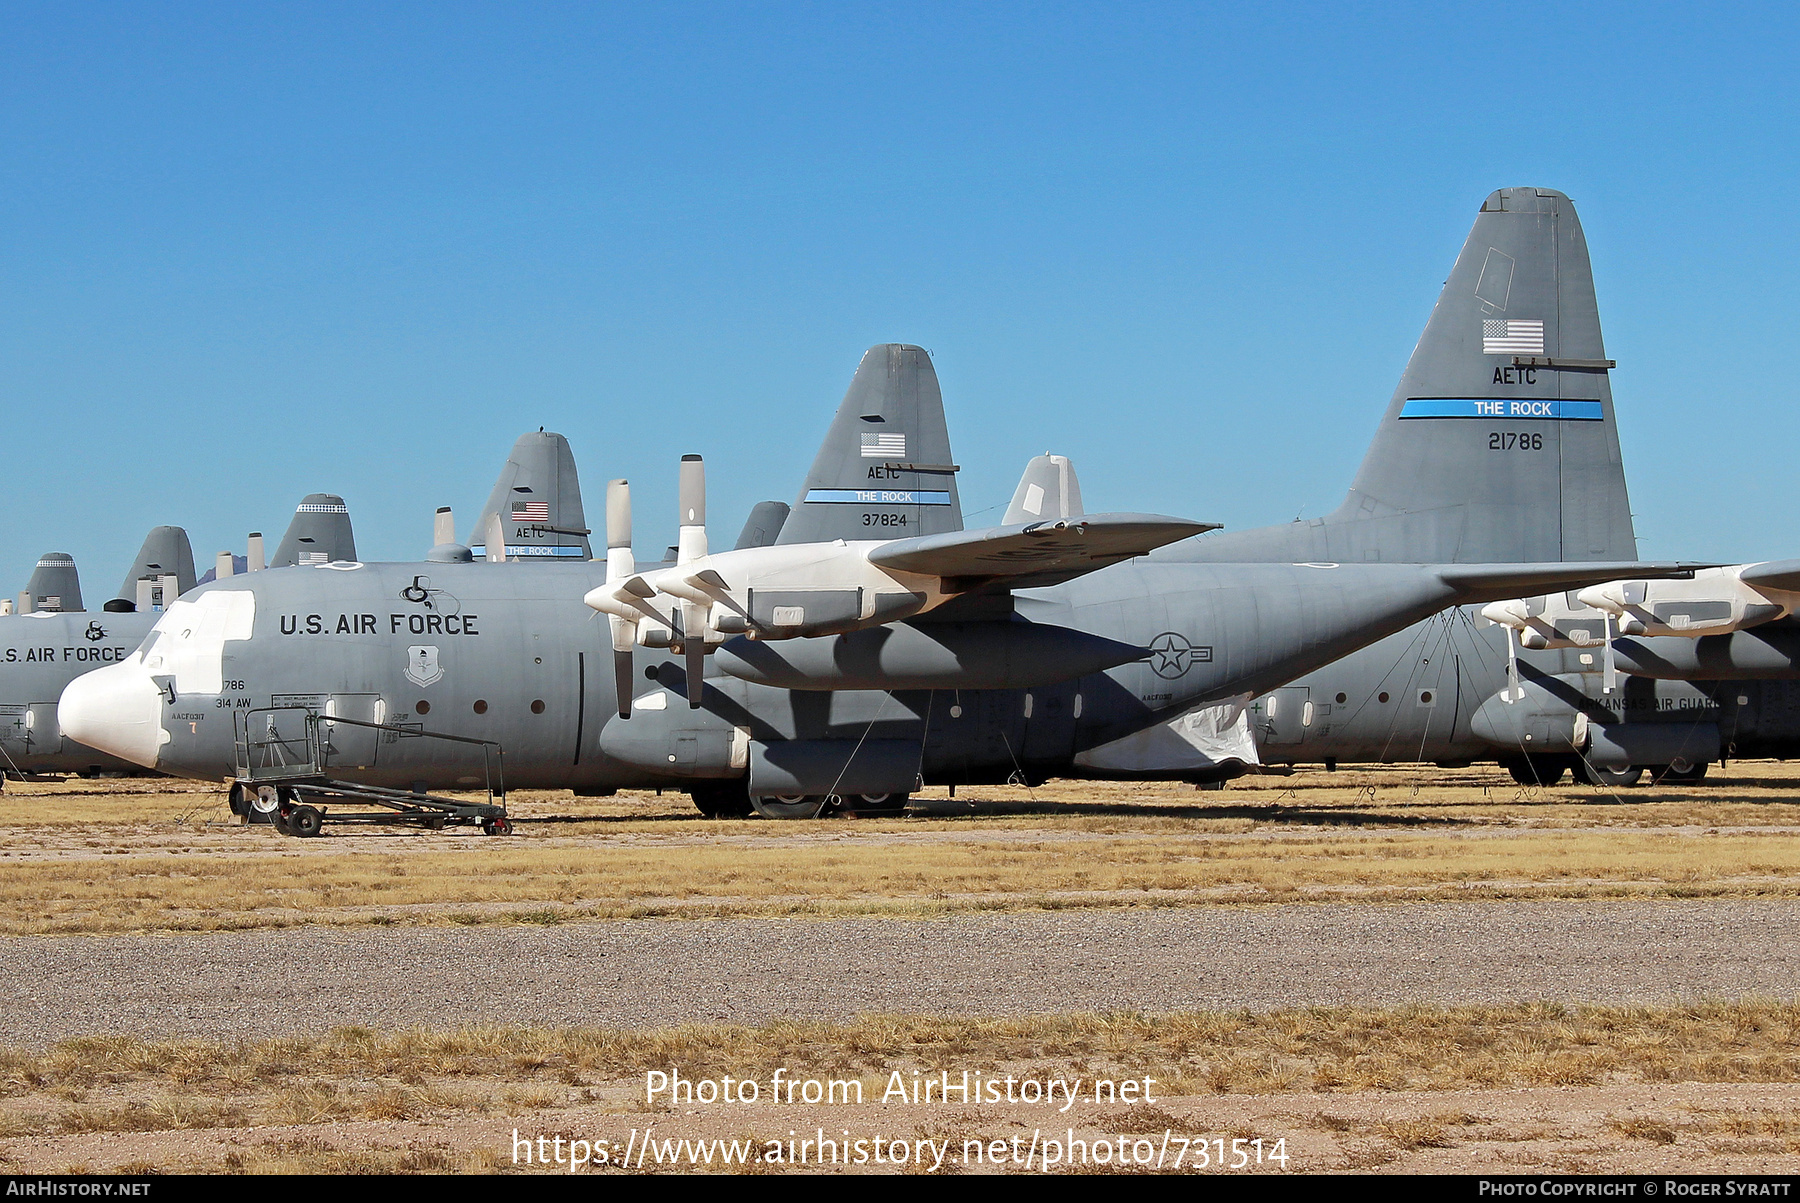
{"x": 238, "y": 798}
{"x": 1538, "y": 770}
{"x": 305, "y": 821}
{"x": 1608, "y": 778}
{"x": 789, "y": 806}
{"x": 722, "y": 800}
{"x": 1687, "y": 774}
{"x": 874, "y": 806}
{"x": 264, "y": 802}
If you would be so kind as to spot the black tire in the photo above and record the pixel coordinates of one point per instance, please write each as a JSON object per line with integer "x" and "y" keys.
{"x": 1537, "y": 770}
{"x": 874, "y": 806}
{"x": 790, "y": 806}
{"x": 722, "y": 799}
{"x": 1608, "y": 778}
{"x": 1668, "y": 774}
{"x": 305, "y": 821}
{"x": 498, "y": 826}
{"x": 238, "y": 798}
{"x": 279, "y": 822}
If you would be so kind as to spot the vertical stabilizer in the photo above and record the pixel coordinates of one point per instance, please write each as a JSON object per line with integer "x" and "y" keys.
{"x": 763, "y": 526}
{"x": 884, "y": 471}
{"x": 1047, "y": 491}
{"x": 165, "y": 553}
{"x": 538, "y": 501}
{"x": 319, "y": 534}
{"x": 55, "y": 585}
{"x": 1499, "y": 445}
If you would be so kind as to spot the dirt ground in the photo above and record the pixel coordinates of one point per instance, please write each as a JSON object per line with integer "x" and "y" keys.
{"x": 162, "y": 858}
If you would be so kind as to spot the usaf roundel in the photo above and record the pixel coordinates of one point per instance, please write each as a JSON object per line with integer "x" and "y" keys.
{"x": 422, "y": 667}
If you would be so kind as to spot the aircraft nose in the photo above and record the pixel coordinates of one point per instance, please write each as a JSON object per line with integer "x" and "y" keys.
{"x": 118, "y": 710}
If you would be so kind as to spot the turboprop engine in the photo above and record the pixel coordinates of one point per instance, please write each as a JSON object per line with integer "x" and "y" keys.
{"x": 1709, "y": 601}
{"x": 1716, "y": 601}
{"x": 799, "y": 591}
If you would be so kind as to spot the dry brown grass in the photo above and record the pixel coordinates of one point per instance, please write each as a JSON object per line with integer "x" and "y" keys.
{"x": 523, "y": 882}
{"x": 1394, "y": 833}
{"x": 354, "y": 1073}
{"x": 355, "y": 1101}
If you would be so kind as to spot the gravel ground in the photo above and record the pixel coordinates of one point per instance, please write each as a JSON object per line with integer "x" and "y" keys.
{"x": 643, "y": 973}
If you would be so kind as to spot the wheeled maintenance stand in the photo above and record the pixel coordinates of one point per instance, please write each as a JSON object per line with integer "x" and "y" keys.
{"x": 291, "y": 779}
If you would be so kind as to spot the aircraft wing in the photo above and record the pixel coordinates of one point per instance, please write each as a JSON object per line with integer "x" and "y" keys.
{"x": 1038, "y": 553}
{"x": 1498, "y": 582}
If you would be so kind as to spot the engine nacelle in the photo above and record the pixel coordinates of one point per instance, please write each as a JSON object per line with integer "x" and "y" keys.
{"x": 929, "y": 655}
{"x": 1715, "y": 601}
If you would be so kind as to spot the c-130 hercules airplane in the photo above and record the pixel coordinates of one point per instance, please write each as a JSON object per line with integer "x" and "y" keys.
{"x": 1609, "y": 698}
{"x": 42, "y": 651}
{"x": 836, "y": 665}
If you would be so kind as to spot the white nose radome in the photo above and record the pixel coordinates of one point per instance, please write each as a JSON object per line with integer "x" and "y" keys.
{"x": 117, "y": 710}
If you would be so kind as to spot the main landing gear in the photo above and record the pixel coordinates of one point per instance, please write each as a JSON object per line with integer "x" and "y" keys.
{"x": 732, "y": 800}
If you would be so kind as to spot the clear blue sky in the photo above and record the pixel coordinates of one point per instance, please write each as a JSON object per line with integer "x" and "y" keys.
{"x": 253, "y": 251}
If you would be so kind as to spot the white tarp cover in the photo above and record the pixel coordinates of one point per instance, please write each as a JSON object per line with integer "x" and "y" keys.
{"x": 1201, "y": 738}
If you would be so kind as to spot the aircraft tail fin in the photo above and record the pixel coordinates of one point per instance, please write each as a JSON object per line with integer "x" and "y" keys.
{"x": 319, "y": 534}
{"x": 764, "y": 525}
{"x": 884, "y": 470}
{"x": 1047, "y": 491}
{"x": 538, "y": 501}
{"x": 55, "y": 585}
{"x": 1499, "y": 444}
{"x": 166, "y": 552}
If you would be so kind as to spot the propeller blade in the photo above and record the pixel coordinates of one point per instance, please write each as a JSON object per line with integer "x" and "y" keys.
{"x": 1609, "y": 673}
{"x": 1513, "y": 692}
{"x": 693, "y": 646}
{"x": 623, "y": 680}
{"x": 496, "y": 540}
{"x": 619, "y": 561}
{"x": 621, "y": 568}
{"x": 709, "y": 579}
{"x": 443, "y": 527}
{"x": 692, "y": 541}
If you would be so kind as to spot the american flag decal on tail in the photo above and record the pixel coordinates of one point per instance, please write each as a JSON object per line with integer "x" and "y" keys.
{"x": 531, "y": 511}
{"x": 882, "y": 446}
{"x": 1509, "y": 337}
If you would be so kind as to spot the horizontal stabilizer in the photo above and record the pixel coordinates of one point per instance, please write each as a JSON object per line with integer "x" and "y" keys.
{"x": 1780, "y": 575}
{"x": 1046, "y": 552}
{"x": 1496, "y": 582}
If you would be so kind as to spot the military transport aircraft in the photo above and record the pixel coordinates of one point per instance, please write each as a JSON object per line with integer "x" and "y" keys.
{"x": 873, "y": 645}
{"x": 42, "y": 651}
{"x": 1485, "y": 387}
